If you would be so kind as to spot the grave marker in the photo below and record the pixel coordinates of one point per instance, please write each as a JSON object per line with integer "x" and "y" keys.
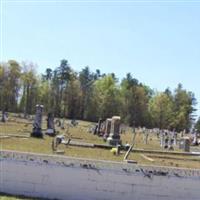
{"x": 37, "y": 125}
{"x": 3, "y": 117}
{"x": 50, "y": 125}
{"x": 114, "y": 136}
{"x": 108, "y": 128}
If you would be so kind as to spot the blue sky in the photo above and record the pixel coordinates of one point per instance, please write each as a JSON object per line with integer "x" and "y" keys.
{"x": 158, "y": 42}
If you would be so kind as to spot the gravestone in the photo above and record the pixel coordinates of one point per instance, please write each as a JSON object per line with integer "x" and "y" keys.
{"x": 50, "y": 125}
{"x": 183, "y": 133}
{"x": 166, "y": 140}
{"x": 185, "y": 144}
{"x": 114, "y": 136}
{"x": 108, "y": 127}
{"x": 95, "y": 129}
{"x": 62, "y": 126}
{"x": 157, "y": 131}
{"x": 175, "y": 135}
{"x": 58, "y": 122}
{"x": 162, "y": 139}
{"x": 37, "y": 125}
{"x": 145, "y": 135}
{"x": 3, "y": 117}
{"x": 170, "y": 144}
{"x": 99, "y": 127}
{"x": 74, "y": 122}
{"x": 103, "y": 128}
{"x": 195, "y": 138}
{"x": 56, "y": 141}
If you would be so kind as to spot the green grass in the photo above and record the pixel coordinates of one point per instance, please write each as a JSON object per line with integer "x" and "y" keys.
{"x": 80, "y": 133}
{"x": 9, "y": 197}
{"x": 12, "y": 198}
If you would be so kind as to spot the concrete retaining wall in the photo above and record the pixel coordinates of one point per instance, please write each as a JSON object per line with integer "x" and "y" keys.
{"x": 59, "y": 177}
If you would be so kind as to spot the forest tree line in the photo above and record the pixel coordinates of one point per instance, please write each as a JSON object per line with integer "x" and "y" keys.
{"x": 91, "y": 95}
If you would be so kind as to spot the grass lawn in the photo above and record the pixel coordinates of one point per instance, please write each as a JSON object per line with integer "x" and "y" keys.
{"x": 80, "y": 133}
{"x": 7, "y": 197}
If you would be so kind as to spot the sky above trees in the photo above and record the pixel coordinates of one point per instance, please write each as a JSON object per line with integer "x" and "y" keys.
{"x": 157, "y": 42}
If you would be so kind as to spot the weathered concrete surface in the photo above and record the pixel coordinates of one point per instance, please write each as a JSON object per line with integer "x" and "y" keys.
{"x": 59, "y": 177}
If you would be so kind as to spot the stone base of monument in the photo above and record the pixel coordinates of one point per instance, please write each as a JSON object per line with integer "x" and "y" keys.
{"x": 50, "y": 132}
{"x": 114, "y": 139}
{"x": 37, "y": 133}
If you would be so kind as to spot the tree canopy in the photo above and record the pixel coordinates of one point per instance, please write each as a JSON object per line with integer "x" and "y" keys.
{"x": 91, "y": 95}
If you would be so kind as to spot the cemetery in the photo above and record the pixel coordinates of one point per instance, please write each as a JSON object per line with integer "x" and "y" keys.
{"x": 99, "y": 100}
{"x": 95, "y": 141}
{"x": 79, "y": 149}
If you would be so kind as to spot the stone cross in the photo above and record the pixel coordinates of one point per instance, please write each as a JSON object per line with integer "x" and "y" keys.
{"x": 37, "y": 125}
{"x": 50, "y": 125}
{"x": 114, "y": 136}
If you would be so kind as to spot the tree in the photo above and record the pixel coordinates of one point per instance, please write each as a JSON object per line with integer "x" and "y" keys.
{"x": 14, "y": 86}
{"x": 87, "y": 80}
{"x": 197, "y": 125}
{"x": 10, "y": 73}
{"x": 73, "y": 99}
{"x": 107, "y": 94}
{"x": 48, "y": 75}
{"x": 184, "y": 103}
{"x": 29, "y": 96}
{"x": 161, "y": 109}
{"x": 45, "y": 89}
{"x": 60, "y": 79}
{"x": 90, "y": 95}
{"x": 2, "y": 85}
{"x": 134, "y": 101}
